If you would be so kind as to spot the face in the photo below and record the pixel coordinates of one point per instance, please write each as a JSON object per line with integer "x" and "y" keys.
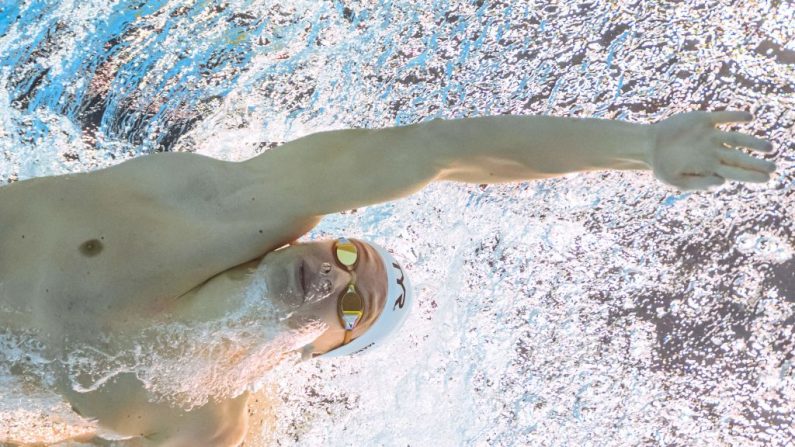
{"x": 307, "y": 277}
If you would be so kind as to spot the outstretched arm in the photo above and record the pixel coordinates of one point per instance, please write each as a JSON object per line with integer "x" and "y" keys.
{"x": 332, "y": 171}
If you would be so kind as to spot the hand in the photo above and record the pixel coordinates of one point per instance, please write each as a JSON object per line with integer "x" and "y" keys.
{"x": 690, "y": 153}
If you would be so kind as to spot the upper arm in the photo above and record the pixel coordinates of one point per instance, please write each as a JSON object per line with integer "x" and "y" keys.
{"x": 177, "y": 179}
{"x": 332, "y": 171}
{"x": 220, "y": 193}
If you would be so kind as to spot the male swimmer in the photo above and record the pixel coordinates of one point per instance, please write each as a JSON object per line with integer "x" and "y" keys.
{"x": 79, "y": 258}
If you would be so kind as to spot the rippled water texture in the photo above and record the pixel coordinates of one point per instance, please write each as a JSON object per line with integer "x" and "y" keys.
{"x": 596, "y": 309}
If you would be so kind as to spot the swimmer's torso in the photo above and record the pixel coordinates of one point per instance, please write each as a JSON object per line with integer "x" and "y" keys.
{"x": 122, "y": 249}
{"x": 112, "y": 250}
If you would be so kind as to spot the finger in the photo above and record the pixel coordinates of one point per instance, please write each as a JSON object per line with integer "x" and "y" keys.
{"x": 740, "y": 139}
{"x": 688, "y": 182}
{"x": 743, "y": 175}
{"x": 730, "y": 117}
{"x": 731, "y": 157}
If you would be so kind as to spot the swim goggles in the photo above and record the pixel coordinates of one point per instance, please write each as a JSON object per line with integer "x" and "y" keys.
{"x": 350, "y": 305}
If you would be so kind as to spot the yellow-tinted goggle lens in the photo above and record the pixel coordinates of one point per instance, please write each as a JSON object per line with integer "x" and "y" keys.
{"x": 351, "y": 301}
{"x": 346, "y": 252}
{"x": 350, "y": 308}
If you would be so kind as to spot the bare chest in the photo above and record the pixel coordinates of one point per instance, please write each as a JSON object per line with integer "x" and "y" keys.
{"x": 79, "y": 268}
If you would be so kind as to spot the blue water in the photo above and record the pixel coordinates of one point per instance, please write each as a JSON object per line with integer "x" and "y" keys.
{"x": 594, "y": 309}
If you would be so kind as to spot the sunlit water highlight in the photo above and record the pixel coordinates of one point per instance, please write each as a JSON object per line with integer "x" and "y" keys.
{"x": 596, "y": 309}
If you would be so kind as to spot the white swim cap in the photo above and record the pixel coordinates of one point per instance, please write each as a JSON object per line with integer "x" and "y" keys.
{"x": 399, "y": 299}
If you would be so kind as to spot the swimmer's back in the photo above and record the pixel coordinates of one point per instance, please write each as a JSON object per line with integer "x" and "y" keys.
{"x": 117, "y": 246}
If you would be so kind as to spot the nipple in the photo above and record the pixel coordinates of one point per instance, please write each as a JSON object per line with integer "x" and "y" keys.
{"x": 91, "y": 248}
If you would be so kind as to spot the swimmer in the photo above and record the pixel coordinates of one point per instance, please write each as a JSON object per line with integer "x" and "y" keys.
{"x": 153, "y": 238}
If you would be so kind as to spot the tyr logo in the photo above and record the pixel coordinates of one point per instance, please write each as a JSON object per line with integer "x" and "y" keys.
{"x": 401, "y": 300}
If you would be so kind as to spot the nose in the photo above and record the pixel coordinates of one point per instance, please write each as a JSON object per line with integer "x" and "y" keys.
{"x": 330, "y": 279}
{"x": 342, "y": 277}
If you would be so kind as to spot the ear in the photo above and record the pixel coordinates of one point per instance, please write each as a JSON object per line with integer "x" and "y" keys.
{"x": 308, "y": 352}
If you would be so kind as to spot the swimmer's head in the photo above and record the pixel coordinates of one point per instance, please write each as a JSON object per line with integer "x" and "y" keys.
{"x": 308, "y": 277}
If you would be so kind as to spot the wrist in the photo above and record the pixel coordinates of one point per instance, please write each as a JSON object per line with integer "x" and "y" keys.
{"x": 589, "y": 144}
{"x": 633, "y": 146}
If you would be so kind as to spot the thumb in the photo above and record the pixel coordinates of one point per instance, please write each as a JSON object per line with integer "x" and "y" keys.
{"x": 688, "y": 182}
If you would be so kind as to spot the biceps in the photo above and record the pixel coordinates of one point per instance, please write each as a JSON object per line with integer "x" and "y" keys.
{"x": 338, "y": 170}
{"x": 175, "y": 179}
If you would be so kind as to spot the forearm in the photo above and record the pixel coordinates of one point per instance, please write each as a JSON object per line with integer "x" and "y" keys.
{"x": 508, "y": 148}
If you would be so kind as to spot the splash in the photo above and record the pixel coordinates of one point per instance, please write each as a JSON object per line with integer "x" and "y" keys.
{"x": 181, "y": 364}
{"x": 187, "y": 364}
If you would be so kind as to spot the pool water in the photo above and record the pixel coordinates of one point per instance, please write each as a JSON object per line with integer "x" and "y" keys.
{"x": 593, "y": 309}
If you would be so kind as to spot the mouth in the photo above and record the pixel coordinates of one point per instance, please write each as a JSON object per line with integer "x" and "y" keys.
{"x": 302, "y": 280}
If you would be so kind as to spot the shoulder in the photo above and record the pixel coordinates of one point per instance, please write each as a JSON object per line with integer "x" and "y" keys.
{"x": 153, "y": 178}
{"x": 214, "y": 189}
{"x": 169, "y": 176}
